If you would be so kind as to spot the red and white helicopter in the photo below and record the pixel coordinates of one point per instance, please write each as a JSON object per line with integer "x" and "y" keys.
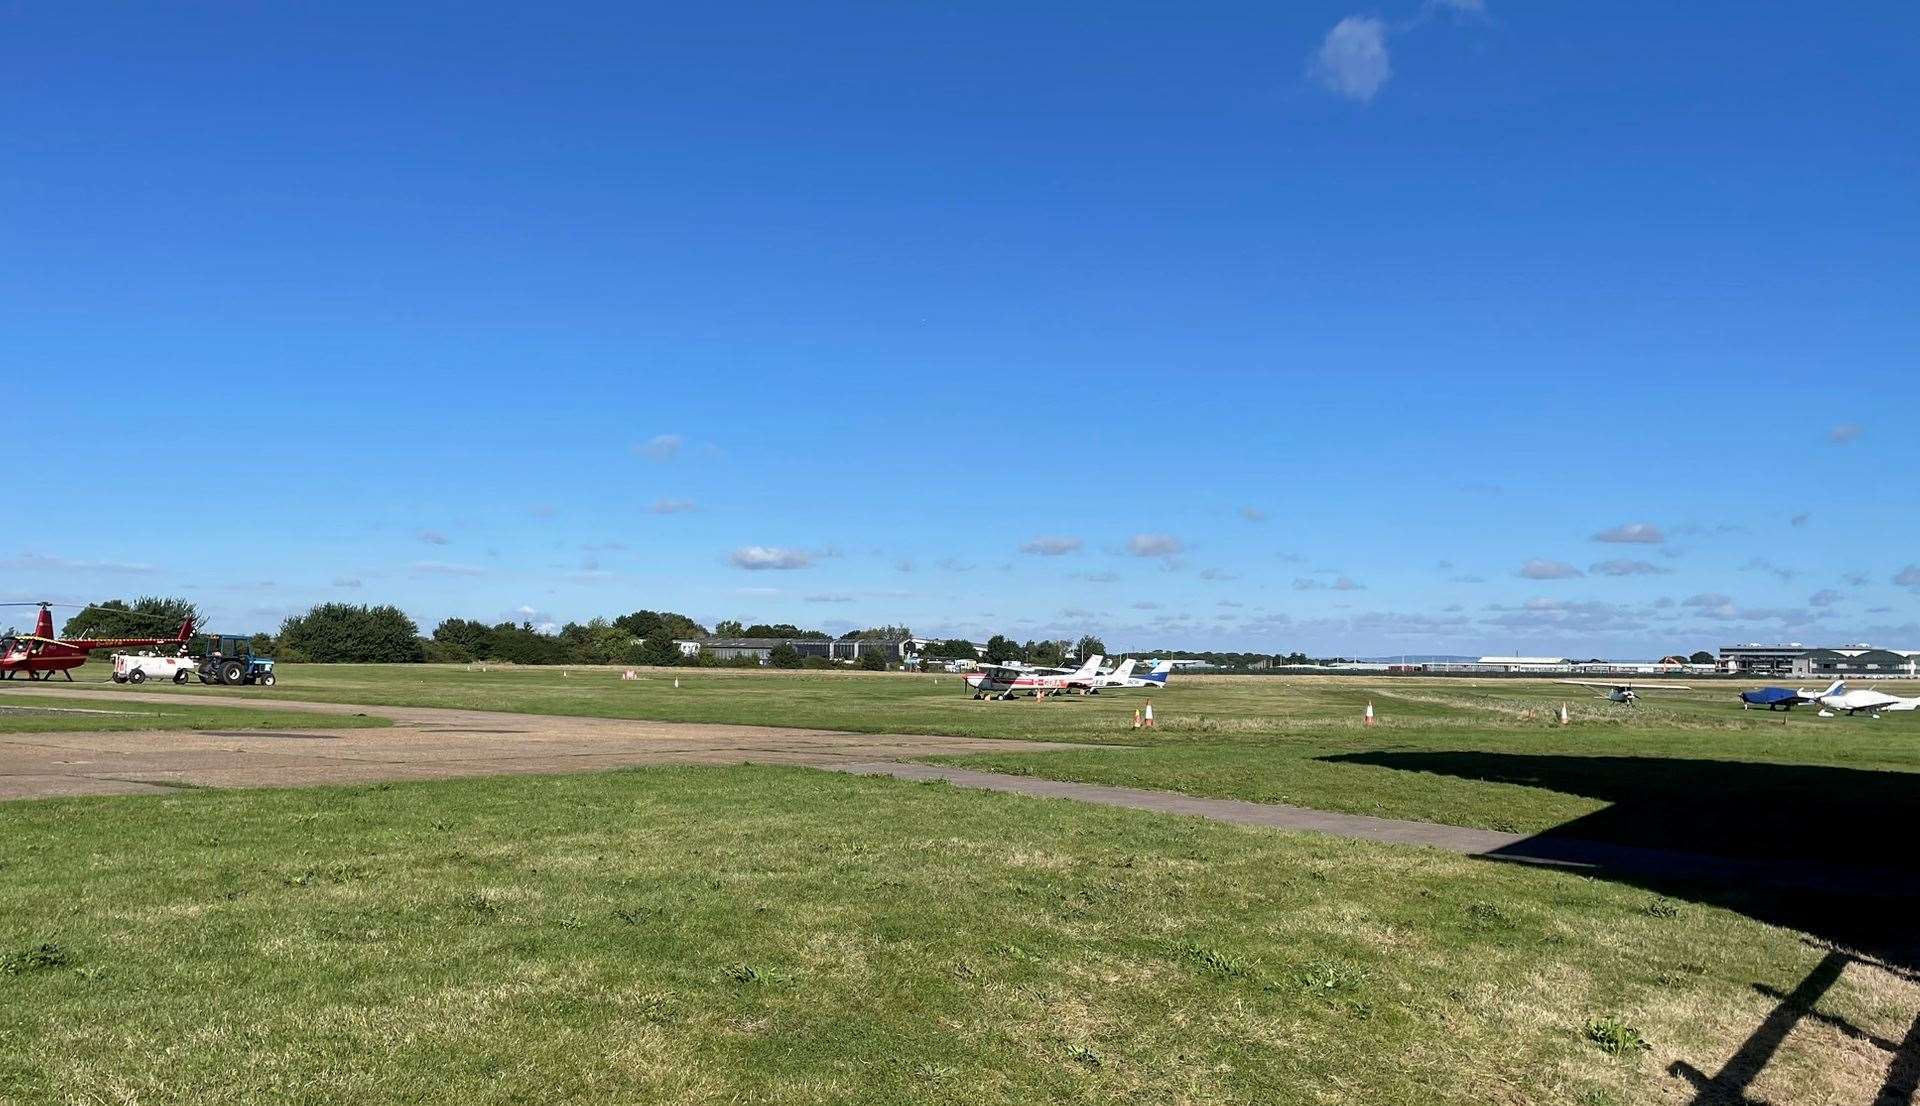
{"x": 1005, "y": 681}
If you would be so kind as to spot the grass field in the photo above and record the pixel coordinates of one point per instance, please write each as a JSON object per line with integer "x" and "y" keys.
{"x": 774, "y": 935}
{"x": 50, "y": 714}
{"x": 1481, "y": 753}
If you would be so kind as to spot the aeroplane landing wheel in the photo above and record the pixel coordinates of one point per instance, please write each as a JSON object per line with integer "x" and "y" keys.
{"x": 136, "y": 677}
{"x": 180, "y": 677}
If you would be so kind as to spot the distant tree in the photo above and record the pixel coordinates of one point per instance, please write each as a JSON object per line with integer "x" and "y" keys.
{"x": 731, "y": 627}
{"x": 784, "y": 656}
{"x": 786, "y": 630}
{"x": 1089, "y": 646}
{"x": 1702, "y": 657}
{"x": 642, "y": 624}
{"x": 340, "y": 633}
{"x": 523, "y": 644}
{"x": 1001, "y": 649}
{"x": 264, "y": 645}
{"x": 660, "y": 649}
{"x": 147, "y": 616}
{"x": 474, "y": 639}
{"x": 1046, "y": 652}
{"x": 873, "y": 660}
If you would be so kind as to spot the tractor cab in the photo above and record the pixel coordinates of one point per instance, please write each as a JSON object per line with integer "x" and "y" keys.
{"x": 229, "y": 659}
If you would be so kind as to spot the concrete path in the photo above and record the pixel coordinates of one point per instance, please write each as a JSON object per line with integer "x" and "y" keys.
{"x": 1595, "y": 857}
{"x": 423, "y": 743}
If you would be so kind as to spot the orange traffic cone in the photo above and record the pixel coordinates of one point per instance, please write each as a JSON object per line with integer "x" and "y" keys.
{"x": 1369, "y": 714}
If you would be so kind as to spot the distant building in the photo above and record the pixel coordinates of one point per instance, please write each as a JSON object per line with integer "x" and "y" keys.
{"x": 1857, "y": 662}
{"x": 1835, "y": 662}
{"x": 761, "y": 648}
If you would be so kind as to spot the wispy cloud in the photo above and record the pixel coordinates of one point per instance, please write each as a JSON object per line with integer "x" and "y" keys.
{"x": 1761, "y": 564}
{"x": 1218, "y": 574}
{"x": 1799, "y": 519}
{"x": 1352, "y": 60}
{"x": 346, "y": 581}
{"x": 757, "y": 558}
{"x": 41, "y": 562}
{"x": 1628, "y": 568}
{"x": 1825, "y": 597}
{"x": 442, "y": 568}
{"x": 672, "y": 506}
{"x": 1908, "y": 577}
{"x": 432, "y": 537}
{"x": 661, "y": 447}
{"x": 543, "y": 510}
{"x": 1253, "y": 514}
{"x": 1845, "y": 433}
{"x": 1051, "y": 546}
{"x": 1542, "y": 569}
{"x": 828, "y": 598}
{"x": 1637, "y": 533}
{"x": 1097, "y": 577}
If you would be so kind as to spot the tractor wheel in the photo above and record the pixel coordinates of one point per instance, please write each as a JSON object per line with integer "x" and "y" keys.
{"x": 232, "y": 672}
{"x": 137, "y": 676}
{"x": 180, "y": 677}
{"x": 266, "y": 680}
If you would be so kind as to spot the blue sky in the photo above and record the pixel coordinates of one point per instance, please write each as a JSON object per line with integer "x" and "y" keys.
{"x": 1242, "y": 326}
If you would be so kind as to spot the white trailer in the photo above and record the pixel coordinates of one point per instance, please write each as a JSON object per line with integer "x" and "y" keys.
{"x": 138, "y": 668}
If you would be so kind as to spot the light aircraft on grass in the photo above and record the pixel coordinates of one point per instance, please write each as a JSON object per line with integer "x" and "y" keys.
{"x": 1625, "y": 693}
{"x": 1837, "y": 699}
{"x": 1123, "y": 679}
{"x": 1004, "y": 681}
{"x": 1773, "y": 698}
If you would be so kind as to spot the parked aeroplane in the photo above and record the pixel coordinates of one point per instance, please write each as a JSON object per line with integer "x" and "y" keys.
{"x": 1773, "y": 698}
{"x": 1123, "y": 679}
{"x": 1837, "y": 699}
{"x": 1625, "y": 693}
{"x": 1001, "y": 681}
{"x": 40, "y": 654}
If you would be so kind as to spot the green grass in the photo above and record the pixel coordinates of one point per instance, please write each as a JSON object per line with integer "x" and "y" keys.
{"x": 1686, "y": 770}
{"x": 755, "y": 934}
{"x": 36, "y": 713}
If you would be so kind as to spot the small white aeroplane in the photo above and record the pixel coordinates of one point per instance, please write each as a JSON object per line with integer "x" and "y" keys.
{"x": 1123, "y": 679}
{"x": 1837, "y": 699}
{"x": 1625, "y": 693}
{"x": 1004, "y": 681}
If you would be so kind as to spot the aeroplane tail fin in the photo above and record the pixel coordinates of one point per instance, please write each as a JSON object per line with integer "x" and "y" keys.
{"x": 1159, "y": 672}
{"x": 1837, "y": 687}
{"x": 1123, "y": 673}
{"x": 1090, "y": 668}
{"x": 43, "y": 625}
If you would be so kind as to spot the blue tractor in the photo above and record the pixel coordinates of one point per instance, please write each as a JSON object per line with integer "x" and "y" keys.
{"x": 229, "y": 659}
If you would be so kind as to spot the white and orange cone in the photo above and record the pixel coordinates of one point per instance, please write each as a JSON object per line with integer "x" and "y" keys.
{"x": 1565, "y": 718}
{"x": 1369, "y": 714}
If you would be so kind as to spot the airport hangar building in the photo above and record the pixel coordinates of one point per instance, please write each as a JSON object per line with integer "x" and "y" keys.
{"x": 1833, "y": 662}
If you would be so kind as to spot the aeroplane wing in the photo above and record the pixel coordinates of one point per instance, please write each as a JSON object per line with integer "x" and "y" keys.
{"x": 1609, "y": 685}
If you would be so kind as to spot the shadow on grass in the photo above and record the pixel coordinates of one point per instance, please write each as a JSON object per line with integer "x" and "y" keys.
{"x": 1782, "y": 816}
{"x": 1776, "y": 818}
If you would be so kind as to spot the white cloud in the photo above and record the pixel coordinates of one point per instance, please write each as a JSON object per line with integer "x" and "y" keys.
{"x": 1627, "y": 568}
{"x": 1908, "y": 577}
{"x": 1154, "y": 545}
{"x": 1542, "y": 569}
{"x": 1346, "y": 584}
{"x": 432, "y": 537}
{"x": 1051, "y": 546}
{"x": 828, "y": 598}
{"x": 671, "y": 506}
{"x": 346, "y": 581}
{"x": 1352, "y": 61}
{"x": 1844, "y": 433}
{"x": 1218, "y": 574}
{"x": 1253, "y": 514}
{"x": 1636, "y": 533}
{"x": 756, "y": 558}
{"x": 1306, "y": 583}
{"x": 1800, "y": 519}
{"x": 661, "y": 447}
